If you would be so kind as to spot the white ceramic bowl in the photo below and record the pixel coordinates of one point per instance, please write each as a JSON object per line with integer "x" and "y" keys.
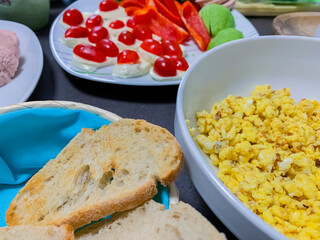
{"x": 236, "y": 68}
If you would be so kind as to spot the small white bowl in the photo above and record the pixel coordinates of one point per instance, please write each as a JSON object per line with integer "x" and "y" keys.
{"x": 236, "y": 68}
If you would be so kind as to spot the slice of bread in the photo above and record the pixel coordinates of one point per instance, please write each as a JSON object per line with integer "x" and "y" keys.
{"x": 113, "y": 169}
{"x": 27, "y": 232}
{"x": 151, "y": 221}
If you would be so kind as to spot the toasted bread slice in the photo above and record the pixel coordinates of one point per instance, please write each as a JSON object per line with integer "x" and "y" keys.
{"x": 113, "y": 169}
{"x": 28, "y": 232}
{"x": 151, "y": 221}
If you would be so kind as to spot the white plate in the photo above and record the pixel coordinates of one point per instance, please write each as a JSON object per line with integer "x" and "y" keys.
{"x": 30, "y": 65}
{"x": 63, "y": 54}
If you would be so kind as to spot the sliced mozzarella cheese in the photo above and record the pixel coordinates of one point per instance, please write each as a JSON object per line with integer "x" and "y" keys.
{"x": 157, "y": 77}
{"x": 183, "y": 49}
{"x": 90, "y": 66}
{"x": 156, "y": 37}
{"x": 72, "y": 42}
{"x": 131, "y": 70}
{"x": 63, "y": 24}
{"x": 122, "y": 46}
{"x": 114, "y": 33}
{"x": 123, "y": 19}
{"x": 114, "y": 14}
{"x": 147, "y": 56}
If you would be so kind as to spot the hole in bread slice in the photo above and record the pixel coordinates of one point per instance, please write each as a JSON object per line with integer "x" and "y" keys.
{"x": 106, "y": 179}
{"x": 66, "y": 200}
{"x": 82, "y": 177}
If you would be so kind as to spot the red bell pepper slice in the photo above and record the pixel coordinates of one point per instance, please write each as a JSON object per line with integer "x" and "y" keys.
{"x": 131, "y": 3}
{"x": 172, "y": 7}
{"x": 143, "y": 2}
{"x": 144, "y": 15}
{"x": 194, "y": 24}
{"x": 162, "y": 9}
{"x": 160, "y": 25}
{"x": 130, "y": 10}
{"x": 168, "y": 30}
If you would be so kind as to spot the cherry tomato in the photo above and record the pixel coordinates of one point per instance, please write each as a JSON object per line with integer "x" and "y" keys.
{"x": 98, "y": 33}
{"x": 152, "y": 46}
{"x": 76, "y": 32}
{"x": 128, "y": 57}
{"x": 108, "y": 47}
{"x": 142, "y": 32}
{"x": 89, "y": 52}
{"x": 171, "y": 48}
{"x": 127, "y": 37}
{"x": 165, "y": 67}
{"x": 72, "y": 17}
{"x": 131, "y": 23}
{"x": 94, "y": 20}
{"x": 116, "y": 24}
{"x": 180, "y": 62}
{"x": 108, "y": 5}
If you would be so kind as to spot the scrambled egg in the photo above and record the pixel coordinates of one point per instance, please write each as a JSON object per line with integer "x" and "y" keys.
{"x": 267, "y": 149}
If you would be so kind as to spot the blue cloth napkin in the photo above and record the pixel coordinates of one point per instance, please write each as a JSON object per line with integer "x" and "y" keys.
{"x": 29, "y": 138}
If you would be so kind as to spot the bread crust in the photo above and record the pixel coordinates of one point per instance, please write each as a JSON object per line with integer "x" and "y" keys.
{"x": 113, "y": 169}
{"x": 28, "y": 232}
{"x": 98, "y": 211}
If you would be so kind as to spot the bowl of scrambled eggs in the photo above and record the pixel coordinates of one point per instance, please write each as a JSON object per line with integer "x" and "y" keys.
{"x": 248, "y": 120}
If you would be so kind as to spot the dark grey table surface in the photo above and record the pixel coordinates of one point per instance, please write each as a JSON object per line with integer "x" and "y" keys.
{"x": 154, "y": 104}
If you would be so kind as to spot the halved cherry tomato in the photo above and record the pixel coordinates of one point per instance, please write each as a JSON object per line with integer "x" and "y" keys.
{"x": 128, "y": 57}
{"x": 181, "y": 62}
{"x": 165, "y": 67}
{"x": 171, "y": 48}
{"x": 142, "y": 32}
{"x": 94, "y": 20}
{"x": 152, "y": 46}
{"x": 76, "y": 32}
{"x": 98, "y": 33}
{"x": 131, "y": 23}
{"x": 108, "y": 47}
{"x": 116, "y": 24}
{"x": 127, "y": 37}
{"x": 72, "y": 17}
{"x": 89, "y": 52}
{"x": 108, "y": 5}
